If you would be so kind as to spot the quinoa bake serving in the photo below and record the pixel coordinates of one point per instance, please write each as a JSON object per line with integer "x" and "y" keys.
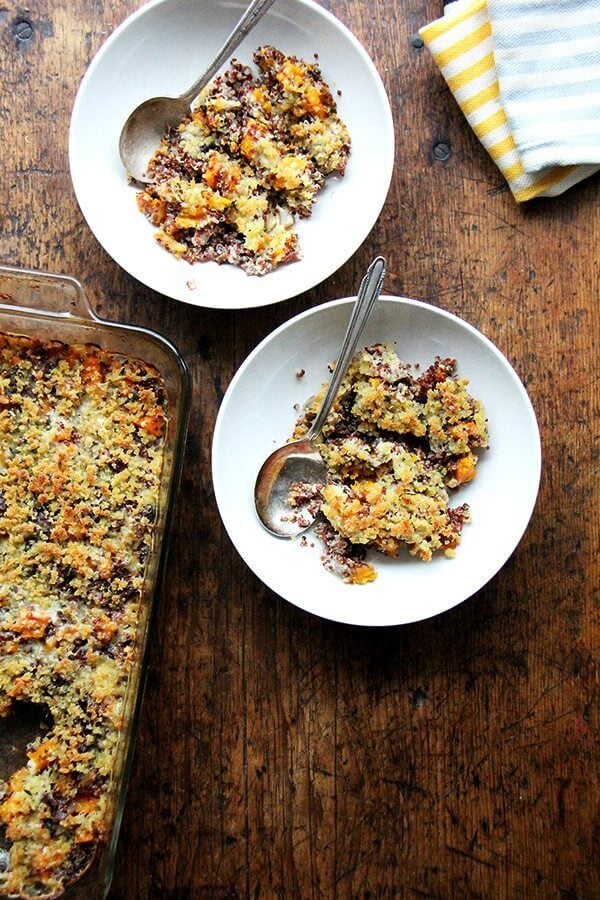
{"x": 81, "y": 454}
{"x": 229, "y": 181}
{"x": 396, "y": 444}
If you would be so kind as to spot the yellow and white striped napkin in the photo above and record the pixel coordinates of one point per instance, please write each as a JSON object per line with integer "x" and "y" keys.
{"x": 475, "y": 53}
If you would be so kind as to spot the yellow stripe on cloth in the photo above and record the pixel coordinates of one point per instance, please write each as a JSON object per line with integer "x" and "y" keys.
{"x": 471, "y": 40}
{"x": 490, "y": 123}
{"x": 484, "y": 96}
{"x": 541, "y": 185}
{"x": 501, "y": 148}
{"x": 463, "y": 28}
{"x": 513, "y": 172}
{"x": 471, "y": 72}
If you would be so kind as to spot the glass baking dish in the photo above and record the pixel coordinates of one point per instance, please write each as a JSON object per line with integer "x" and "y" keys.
{"x": 56, "y": 308}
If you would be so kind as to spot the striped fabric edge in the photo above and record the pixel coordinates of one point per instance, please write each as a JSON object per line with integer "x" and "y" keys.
{"x": 461, "y": 45}
{"x": 572, "y": 176}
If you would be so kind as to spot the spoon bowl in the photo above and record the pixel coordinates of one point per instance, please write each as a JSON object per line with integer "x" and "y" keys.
{"x": 299, "y": 462}
{"x": 144, "y": 130}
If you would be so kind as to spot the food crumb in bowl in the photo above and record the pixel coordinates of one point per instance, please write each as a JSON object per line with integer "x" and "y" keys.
{"x": 231, "y": 178}
{"x": 395, "y": 444}
{"x": 81, "y": 454}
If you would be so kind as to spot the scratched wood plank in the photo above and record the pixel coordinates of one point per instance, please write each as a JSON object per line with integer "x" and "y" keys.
{"x": 282, "y": 756}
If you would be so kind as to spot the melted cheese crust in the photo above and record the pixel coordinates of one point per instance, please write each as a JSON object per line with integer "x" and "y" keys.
{"x": 395, "y": 443}
{"x": 253, "y": 154}
{"x": 81, "y": 454}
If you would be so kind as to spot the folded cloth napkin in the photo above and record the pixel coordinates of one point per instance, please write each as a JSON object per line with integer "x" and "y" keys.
{"x": 526, "y": 74}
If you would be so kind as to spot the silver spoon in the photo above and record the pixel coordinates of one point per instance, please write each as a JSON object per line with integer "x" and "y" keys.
{"x": 300, "y": 461}
{"x": 147, "y": 124}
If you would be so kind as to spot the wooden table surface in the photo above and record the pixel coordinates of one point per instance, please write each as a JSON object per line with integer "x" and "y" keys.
{"x": 284, "y": 756}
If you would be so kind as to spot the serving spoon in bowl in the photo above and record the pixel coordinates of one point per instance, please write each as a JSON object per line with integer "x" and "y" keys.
{"x": 147, "y": 124}
{"x": 299, "y": 462}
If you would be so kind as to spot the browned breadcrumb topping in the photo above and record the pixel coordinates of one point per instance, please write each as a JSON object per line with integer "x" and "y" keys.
{"x": 253, "y": 154}
{"x": 395, "y": 443}
{"x": 81, "y": 447}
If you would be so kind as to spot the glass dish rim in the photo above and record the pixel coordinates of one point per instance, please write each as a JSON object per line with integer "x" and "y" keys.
{"x": 79, "y": 312}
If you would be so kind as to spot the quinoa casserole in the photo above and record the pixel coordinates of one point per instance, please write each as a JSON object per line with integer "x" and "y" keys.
{"x": 81, "y": 454}
{"x": 229, "y": 180}
{"x": 396, "y": 445}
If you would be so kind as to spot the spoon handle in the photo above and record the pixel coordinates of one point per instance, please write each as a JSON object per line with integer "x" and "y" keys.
{"x": 367, "y": 295}
{"x": 254, "y": 12}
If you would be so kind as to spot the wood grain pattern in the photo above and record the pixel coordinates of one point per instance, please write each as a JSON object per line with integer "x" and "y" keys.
{"x": 282, "y": 756}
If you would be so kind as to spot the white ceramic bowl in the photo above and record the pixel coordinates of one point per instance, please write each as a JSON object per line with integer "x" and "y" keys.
{"x": 257, "y": 414}
{"x": 160, "y": 50}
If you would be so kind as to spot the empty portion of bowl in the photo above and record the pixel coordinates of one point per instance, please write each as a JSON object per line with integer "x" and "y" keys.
{"x": 159, "y": 50}
{"x": 259, "y": 411}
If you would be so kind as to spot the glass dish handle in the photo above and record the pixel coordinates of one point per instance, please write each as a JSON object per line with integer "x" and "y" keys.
{"x": 41, "y": 292}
